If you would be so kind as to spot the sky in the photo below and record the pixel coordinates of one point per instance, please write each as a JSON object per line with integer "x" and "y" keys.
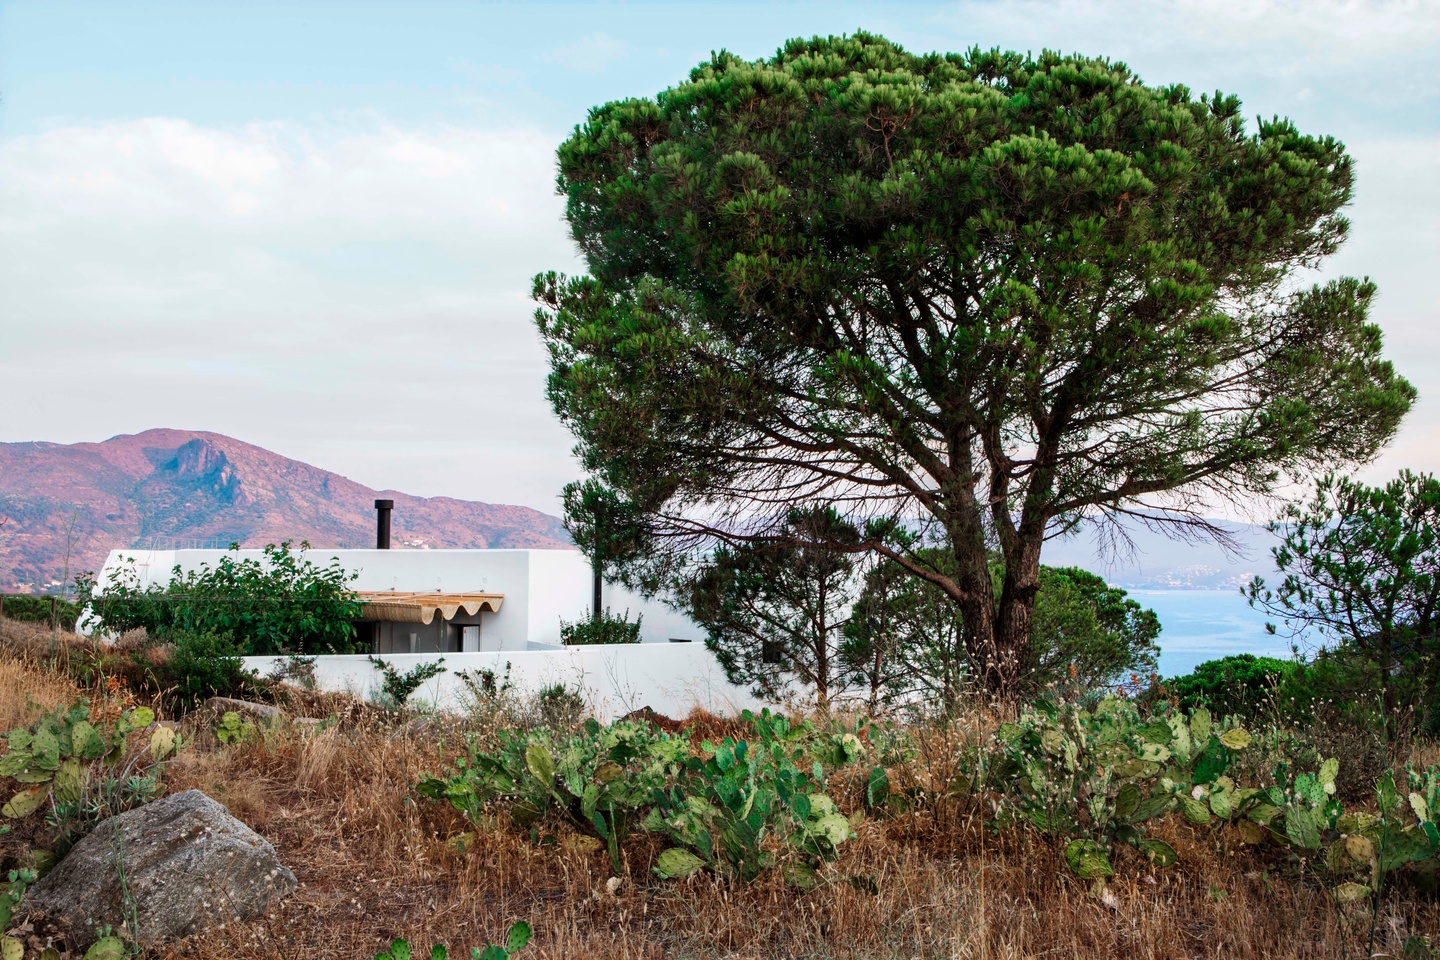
{"x": 313, "y": 226}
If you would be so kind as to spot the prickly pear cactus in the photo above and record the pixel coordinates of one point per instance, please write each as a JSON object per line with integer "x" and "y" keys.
{"x": 57, "y": 757}
{"x": 602, "y": 779}
{"x": 1096, "y": 776}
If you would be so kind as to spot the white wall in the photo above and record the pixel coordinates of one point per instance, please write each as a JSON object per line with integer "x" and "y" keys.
{"x": 560, "y": 586}
{"x": 614, "y": 680}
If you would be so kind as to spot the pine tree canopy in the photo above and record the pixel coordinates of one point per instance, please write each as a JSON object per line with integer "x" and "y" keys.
{"x": 995, "y": 293}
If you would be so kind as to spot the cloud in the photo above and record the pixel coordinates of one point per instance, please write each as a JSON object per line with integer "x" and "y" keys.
{"x": 356, "y": 294}
{"x": 327, "y": 292}
{"x": 1314, "y": 60}
{"x": 590, "y": 54}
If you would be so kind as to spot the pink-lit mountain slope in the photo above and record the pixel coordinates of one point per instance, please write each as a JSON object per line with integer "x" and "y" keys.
{"x": 174, "y": 487}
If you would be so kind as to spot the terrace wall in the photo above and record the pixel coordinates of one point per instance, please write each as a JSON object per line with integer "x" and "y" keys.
{"x": 670, "y": 678}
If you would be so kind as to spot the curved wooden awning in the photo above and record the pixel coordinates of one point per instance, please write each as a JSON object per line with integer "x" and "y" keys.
{"x": 397, "y": 607}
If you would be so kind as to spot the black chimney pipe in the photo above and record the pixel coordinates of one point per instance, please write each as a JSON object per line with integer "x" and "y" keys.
{"x": 382, "y": 523}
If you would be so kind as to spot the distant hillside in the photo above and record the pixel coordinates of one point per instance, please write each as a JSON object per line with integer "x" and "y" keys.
{"x": 171, "y": 487}
{"x": 1156, "y": 561}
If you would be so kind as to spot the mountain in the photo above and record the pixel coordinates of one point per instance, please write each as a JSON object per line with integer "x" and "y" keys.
{"x": 1153, "y": 560}
{"x": 182, "y": 487}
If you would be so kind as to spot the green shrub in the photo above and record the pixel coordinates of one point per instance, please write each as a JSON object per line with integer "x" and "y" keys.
{"x": 1332, "y": 704}
{"x": 602, "y": 779}
{"x": 397, "y": 688}
{"x": 606, "y": 628}
{"x": 1092, "y": 778}
{"x": 515, "y": 940}
{"x": 1243, "y": 684}
{"x": 557, "y": 707}
{"x": 725, "y": 804}
{"x": 234, "y": 728}
{"x": 296, "y": 669}
{"x": 200, "y": 666}
{"x": 718, "y": 809}
{"x": 29, "y": 608}
{"x": 282, "y": 604}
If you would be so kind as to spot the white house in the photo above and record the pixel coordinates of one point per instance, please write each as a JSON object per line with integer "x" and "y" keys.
{"x": 451, "y": 601}
{"x": 498, "y": 611}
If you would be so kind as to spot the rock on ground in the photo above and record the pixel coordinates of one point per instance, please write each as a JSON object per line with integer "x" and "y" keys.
{"x": 189, "y": 865}
{"x": 220, "y": 706}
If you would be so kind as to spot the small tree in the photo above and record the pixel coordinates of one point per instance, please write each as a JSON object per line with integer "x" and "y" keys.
{"x": 907, "y": 641}
{"x": 774, "y": 614}
{"x": 1360, "y": 566}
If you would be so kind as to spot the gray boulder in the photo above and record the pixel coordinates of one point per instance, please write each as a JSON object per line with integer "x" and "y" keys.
{"x": 189, "y": 865}
{"x": 264, "y": 712}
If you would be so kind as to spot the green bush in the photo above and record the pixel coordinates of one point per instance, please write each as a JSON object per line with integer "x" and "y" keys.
{"x": 515, "y": 939}
{"x": 606, "y": 628}
{"x": 719, "y": 809}
{"x": 1243, "y": 684}
{"x": 726, "y": 803}
{"x": 556, "y": 707}
{"x": 1092, "y": 778}
{"x": 200, "y": 666}
{"x": 282, "y": 604}
{"x": 29, "y": 608}
{"x": 397, "y": 688}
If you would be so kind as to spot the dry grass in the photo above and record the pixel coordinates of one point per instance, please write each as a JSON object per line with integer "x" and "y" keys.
{"x": 372, "y": 866}
{"x": 934, "y": 883}
{"x": 27, "y": 687}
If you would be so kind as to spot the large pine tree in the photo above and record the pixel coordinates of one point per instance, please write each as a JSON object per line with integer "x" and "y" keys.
{"x": 998, "y": 293}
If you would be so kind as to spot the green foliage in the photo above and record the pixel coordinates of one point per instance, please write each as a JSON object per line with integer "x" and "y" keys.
{"x": 557, "y": 707}
{"x": 1331, "y": 705}
{"x": 296, "y": 669}
{"x": 1361, "y": 567}
{"x": 602, "y": 779}
{"x": 200, "y": 666}
{"x": 79, "y": 769}
{"x": 282, "y": 604}
{"x": 1000, "y": 293}
{"x": 718, "y": 807}
{"x": 109, "y": 947}
{"x": 515, "y": 940}
{"x": 726, "y": 802}
{"x": 29, "y": 608}
{"x": 1093, "y": 778}
{"x": 1241, "y": 684}
{"x": 1086, "y": 634}
{"x": 234, "y": 728}
{"x": 397, "y": 688}
{"x": 606, "y": 628}
{"x": 17, "y": 882}
{"x": 774, "y": 613}
{"x": 908, "y": 641}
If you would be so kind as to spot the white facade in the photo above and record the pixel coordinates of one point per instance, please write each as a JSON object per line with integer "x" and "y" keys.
{"x": 671, "y": 679}
{"x": 541, "y": 587}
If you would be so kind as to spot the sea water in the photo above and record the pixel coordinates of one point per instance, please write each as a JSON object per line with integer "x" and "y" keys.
{"x": 1200, "y": 625}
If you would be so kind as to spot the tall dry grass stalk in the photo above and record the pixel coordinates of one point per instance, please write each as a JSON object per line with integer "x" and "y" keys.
{"x": 27, "y": 691}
